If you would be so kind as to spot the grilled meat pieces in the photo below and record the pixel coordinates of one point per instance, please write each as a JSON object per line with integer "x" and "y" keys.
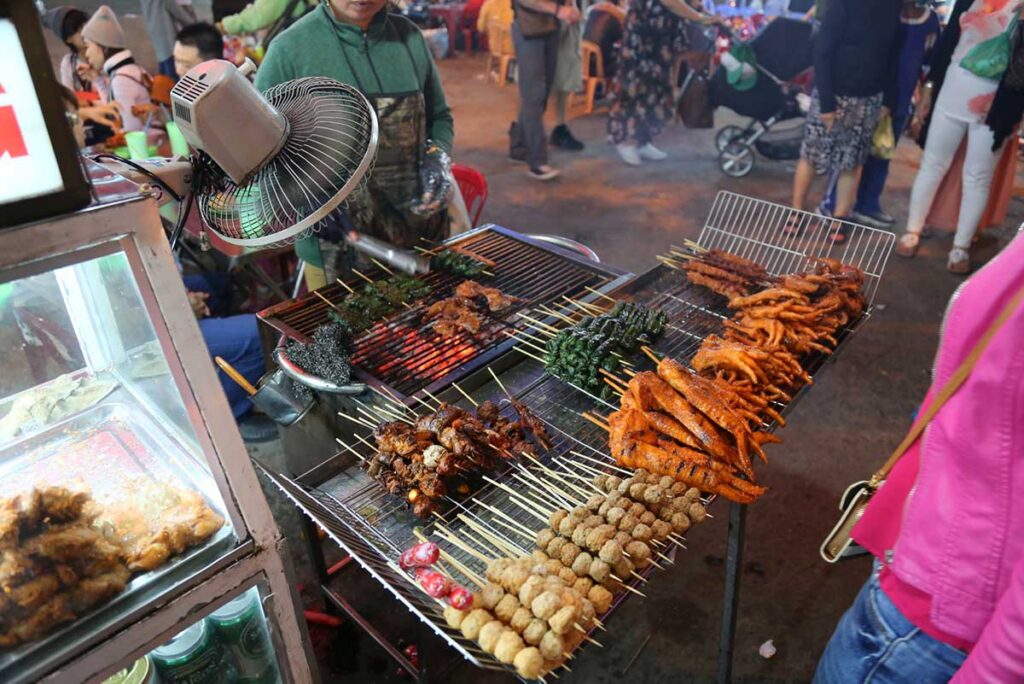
{"x": 427, "y": 460}
{"x": 467, "y": 309}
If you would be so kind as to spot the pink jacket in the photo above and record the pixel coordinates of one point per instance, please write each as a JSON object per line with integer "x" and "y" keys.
{"x": 961, "y": 536}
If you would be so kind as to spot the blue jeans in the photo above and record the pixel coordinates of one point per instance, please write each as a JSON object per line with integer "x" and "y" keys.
{"x": 873, "y": 642}
{"x": 872, "y": 179}
{"x": 235, "y": 338}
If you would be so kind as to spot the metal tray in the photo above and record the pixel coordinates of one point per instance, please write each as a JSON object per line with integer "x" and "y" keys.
{"x": 133, "y": 446}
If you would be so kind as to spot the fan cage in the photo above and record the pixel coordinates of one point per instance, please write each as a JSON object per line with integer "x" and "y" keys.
{"x": 330, "y": 150}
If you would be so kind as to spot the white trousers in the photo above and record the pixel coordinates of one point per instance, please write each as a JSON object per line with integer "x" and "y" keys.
{"x": 944, "y": 138}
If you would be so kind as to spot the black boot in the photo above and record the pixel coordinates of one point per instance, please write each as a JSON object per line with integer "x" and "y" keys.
{"x": 516, "y": 149}
{"x": 563, "y": 137}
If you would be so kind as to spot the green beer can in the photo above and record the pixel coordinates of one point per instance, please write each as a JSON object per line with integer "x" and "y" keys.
{"x": 242, "y": 628}
{"x": 194, "y": 656}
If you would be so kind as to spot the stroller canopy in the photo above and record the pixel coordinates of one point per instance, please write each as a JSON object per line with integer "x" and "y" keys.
{"x": 784, "y": 48}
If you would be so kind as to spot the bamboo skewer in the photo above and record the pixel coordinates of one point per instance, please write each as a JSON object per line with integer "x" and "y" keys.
{"x": 363, "y": 275}
{"x": 500, "y": 383}
{"x": 526, "y": 353}
{"x": 344, "y": 285}
{"x": 601, "y": 294}
{"x": 327, "y": 301}
{"x": 443, "y": 533}
{"x": 531, "y": 533}
{"x": 357, "y": 421}
{"x": 455, "y": 563}
{"x": 357, "y": 454}
{"x": 436, "y": 400}
{"x": 465, "y": 394}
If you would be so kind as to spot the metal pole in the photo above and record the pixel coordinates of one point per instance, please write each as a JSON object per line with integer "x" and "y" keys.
{"x": 730, "y": 603}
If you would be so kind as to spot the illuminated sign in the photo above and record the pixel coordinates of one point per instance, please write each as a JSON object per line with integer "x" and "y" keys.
{"x": 28, "y": 164}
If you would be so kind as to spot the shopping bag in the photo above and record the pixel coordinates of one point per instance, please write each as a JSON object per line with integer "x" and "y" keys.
{"x": 990, "y": 59}
{"x": 883, "y": 142}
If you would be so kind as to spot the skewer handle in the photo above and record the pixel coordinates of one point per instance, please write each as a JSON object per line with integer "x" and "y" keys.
{"x": 235, "y": 375}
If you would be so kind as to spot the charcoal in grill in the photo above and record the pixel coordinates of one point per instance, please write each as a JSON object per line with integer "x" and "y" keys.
{"x": 328, "y": 356}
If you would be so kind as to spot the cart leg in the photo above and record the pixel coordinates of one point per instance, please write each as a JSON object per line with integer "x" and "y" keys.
{"x": 733, "y": 563}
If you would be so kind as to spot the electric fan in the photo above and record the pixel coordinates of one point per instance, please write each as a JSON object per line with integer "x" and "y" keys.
{"x": 272, "y": 166}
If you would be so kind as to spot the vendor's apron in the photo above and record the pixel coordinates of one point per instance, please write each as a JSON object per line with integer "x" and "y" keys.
{"x": 381, "y": 206}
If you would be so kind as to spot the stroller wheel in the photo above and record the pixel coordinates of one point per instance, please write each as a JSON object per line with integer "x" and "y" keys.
{"x": 736, "y": 160}
{"x": 726, "y": 136}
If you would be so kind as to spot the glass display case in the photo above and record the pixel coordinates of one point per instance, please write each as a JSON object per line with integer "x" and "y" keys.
{"x": 233, "y": 644}
{"x": 125, "y": 488}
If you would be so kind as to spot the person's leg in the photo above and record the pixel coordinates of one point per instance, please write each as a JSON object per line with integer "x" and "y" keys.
{"x": 979, "y": 165}
{"x": 828, "y": 203}
{"x": 873, "y": 178}
{"x": 802, "y": 180}
{"x": 561, "y": 99}
{"x": 533, "y": 93}
{"x": 846, "y": 192}
{"x": 237, "y": 340}
{"x": 875, "y": 642}
{"x": 944, "y": 136}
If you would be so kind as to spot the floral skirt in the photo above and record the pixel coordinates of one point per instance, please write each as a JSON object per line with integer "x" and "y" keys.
{"x": 848, "y": 144}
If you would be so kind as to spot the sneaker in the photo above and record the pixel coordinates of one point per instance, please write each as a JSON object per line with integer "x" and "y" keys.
{"x": 562, "y": 137}
{"x": 959, "y": 261}
{"x": 257, "y": 428}
{"x": 652, "y": 153}
{"x": 544, "y": 173}
{"x": 872, "y": 220}
{"x": 629, "y": 154}
{"x": 906, "y": 246}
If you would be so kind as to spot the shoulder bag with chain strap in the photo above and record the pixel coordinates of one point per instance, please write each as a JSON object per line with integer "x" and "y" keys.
{"x": 857, "y": 496}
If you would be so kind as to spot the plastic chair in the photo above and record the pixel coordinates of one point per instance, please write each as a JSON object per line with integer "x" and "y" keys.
{"x": 593, "y": 74}
{"x": 500, "y": 51}
{"x": 473, "y": 186}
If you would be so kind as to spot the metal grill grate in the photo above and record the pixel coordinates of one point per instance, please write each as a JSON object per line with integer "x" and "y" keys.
{"x": 375, "y": 526}
{"x": 756, "y": 229}
{"x": 407, "y": 356}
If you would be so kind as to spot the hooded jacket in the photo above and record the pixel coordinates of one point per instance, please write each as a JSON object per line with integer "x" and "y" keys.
{"x": 379, "y": 59}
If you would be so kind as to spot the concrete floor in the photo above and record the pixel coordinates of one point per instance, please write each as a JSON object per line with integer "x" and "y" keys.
{"x": 847, "y": 425}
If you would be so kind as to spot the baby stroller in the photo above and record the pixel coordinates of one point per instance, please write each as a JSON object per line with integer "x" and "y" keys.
{"x": 784, "y": 54}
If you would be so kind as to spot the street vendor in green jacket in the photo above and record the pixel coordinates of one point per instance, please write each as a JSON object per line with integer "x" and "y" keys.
{"x": 385, "y": 56}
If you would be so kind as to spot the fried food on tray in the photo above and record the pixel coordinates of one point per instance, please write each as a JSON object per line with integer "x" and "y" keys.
{"x": 425, "y": 461}
{"x": 54, "y": 565}
{"x": 160, "y": 521}
{"x": 467, "y": 309}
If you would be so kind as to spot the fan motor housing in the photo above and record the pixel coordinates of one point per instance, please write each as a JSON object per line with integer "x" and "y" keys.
{"x": 221, "y": 113}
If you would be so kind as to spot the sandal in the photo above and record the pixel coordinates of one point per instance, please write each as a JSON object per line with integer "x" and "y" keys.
{"x": 959, "y": 261}
{"x": 842, "y": 231}
{"x": 906, "y": 246}
{"x": 792, "y": 226}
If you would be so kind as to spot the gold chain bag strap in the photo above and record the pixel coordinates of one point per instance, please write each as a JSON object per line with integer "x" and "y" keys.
{"x": 856, "y": 497}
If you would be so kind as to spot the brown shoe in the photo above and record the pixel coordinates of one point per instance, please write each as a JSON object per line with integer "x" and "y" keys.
{"x": 906, "y": 246}
{"x": 959, "y": 261}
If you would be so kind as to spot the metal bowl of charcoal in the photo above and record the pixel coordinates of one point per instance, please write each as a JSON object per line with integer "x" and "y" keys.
{"x": 323, "y": 364}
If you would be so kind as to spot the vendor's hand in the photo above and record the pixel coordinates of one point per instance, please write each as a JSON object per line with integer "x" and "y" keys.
{"x": 102, "y": 114}
{"x": 436, "y": 180}
{"x": 568, "y": 13}
{"x": 198, "y": 302}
